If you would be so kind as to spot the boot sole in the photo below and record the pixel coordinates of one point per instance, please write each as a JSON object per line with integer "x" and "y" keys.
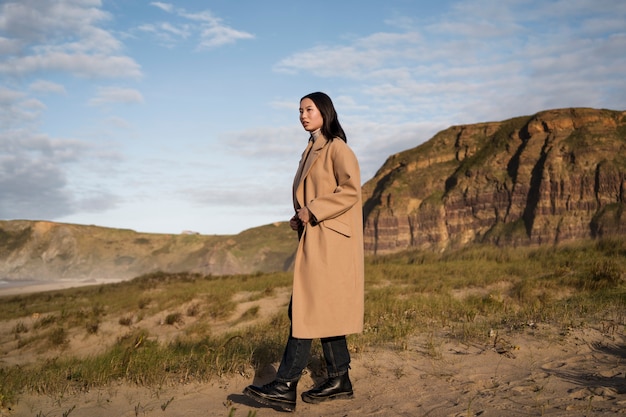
{"x": 316, "y": 400}
{"x": 276, "y": 404}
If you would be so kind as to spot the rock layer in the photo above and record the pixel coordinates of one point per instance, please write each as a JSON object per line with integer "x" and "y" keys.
{"x": 553, "y": 177}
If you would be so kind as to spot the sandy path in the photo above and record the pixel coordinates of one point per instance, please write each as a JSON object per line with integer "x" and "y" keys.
{"x": 579, "y": 374}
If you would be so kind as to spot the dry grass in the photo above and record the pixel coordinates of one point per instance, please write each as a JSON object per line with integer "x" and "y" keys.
{"x": 210, "y": 326}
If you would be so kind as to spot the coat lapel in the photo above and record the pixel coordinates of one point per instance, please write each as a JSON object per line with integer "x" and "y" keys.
{"x": 305, "y": 167}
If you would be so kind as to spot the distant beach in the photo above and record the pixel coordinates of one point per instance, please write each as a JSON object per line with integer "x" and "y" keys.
{"x": 15, "y": 287}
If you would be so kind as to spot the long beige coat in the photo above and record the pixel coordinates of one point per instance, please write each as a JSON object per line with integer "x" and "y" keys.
{"x": 328, "y": 283}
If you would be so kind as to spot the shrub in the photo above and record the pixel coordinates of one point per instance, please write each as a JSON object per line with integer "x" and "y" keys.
{"x": 125, "y": 321}
{"x": 193, "y": 310}
{"x": 58, "y": 337}
{"x": 603, "y": 274}
{"x": 249, "y": 314}
{"x": 97, "y": 309}
{"x": 45, "y": 321}
{"x": 20, "y": 327}
{"x": 174, "y": 318}
{"x": 143, "y": 302}
{"x": 92, "y": 326}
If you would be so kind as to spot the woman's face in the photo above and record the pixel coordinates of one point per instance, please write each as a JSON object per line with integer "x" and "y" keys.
{"x": 310, "y": 116}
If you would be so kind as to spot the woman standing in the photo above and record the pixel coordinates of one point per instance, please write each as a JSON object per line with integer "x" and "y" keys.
{"x": 327, "y": 299}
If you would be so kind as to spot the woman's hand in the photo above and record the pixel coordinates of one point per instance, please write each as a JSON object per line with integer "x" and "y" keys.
{"x": 294, "y": 222}
{"x": 304, "y": 215}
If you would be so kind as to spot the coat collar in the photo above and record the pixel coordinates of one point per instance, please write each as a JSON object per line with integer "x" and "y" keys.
{"x": 318, "y": 143}
{"x": 305, "y": 167}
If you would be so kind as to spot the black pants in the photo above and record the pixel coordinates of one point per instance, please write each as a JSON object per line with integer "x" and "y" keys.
{"x": 297, "y": 353}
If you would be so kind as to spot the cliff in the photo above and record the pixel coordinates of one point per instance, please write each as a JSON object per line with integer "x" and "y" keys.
{"x": 553, "y": 177}
{"x": 46, "y": 251}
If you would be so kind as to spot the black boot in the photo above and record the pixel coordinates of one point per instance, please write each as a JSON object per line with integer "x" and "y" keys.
{"x": 332, "y": 389}
{"x": 277, "y": 394}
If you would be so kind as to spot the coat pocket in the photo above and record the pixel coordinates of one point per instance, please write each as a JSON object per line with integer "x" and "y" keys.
{"x": 338, "y": 226}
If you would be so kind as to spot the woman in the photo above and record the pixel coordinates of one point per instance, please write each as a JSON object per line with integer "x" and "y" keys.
{"x": 327, "y": 299}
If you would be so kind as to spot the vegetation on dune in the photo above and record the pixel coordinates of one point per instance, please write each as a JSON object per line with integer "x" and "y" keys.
{"x": 462, "y": 296}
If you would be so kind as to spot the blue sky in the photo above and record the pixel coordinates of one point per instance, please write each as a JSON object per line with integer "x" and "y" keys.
{"x": 183, "y": 115}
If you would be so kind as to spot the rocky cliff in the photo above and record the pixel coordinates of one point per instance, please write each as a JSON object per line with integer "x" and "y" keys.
{"x": 556, "y": 176}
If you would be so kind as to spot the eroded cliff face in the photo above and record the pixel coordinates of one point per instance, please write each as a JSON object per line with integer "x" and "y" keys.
{"x": 557, "y": 176}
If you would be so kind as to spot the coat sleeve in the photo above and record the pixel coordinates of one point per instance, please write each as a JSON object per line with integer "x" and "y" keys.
{"x": 346, "y": 189}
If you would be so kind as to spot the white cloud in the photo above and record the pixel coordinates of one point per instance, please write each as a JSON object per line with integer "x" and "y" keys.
{"x": 204, "y": 16}
{"x": 17, "y": 110}
{"x": 8, "y": 96}
{"x": 118, "y": 122}
{"x": 208, "y": 30}
{"x": 43, "y": 86}
{"x": 38, "y": 176}
{"x": 9, "y": 46}
{"x": 182, "y": 31}
{"x": 32, "y": 179}
{"x": 231, "y": 195}
{"x": 167, "y": 34}
{"x": 357, "y": 59}
{"x": 107, "y": 95}
{"x": 480, "y": 55}
{"x": 43, "y": 21}
{"x": 33, "y": 104}
{"x": 97, "y": 202}
{"x": 42, "y": 36}
{"x": 275, "y": 144}
{"x": 218, "y": 35}
{"x": 35, "y": 169}
{"x": 163, "y": 6}
{"x": 565, "y": 9}
{"x": 84, "y": 65}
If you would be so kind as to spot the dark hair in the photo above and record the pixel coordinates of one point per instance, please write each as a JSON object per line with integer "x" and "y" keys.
{"x": 331, "y": 128}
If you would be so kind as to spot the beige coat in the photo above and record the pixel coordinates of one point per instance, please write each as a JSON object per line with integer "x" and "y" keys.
{"x": 328, "y": 283}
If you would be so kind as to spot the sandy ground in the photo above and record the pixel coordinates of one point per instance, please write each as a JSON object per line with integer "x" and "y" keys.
{"x": 582, "y": 375}
{"x": 538, "y": 372}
